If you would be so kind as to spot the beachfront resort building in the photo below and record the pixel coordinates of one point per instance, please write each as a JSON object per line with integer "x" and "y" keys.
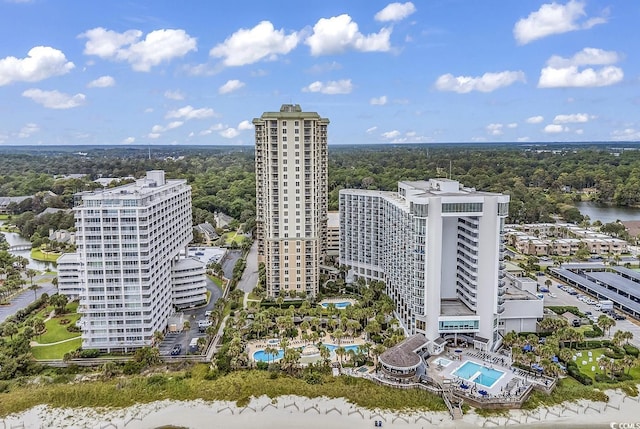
{"x": 291, "y": 198}
{"x": 127, "y": 272}
{"x": 439, "y": 248}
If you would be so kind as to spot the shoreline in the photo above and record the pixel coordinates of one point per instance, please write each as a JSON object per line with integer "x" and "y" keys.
{"x": 291, "y": 412}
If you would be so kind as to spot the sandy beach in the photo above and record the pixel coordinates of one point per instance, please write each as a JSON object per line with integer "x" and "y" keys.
{"x": 293, "y": 412}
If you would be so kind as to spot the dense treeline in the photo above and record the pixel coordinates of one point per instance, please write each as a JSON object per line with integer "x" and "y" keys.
{"x": 541, "y": 183}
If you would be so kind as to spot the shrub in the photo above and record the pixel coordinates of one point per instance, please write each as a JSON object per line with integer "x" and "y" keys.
{"x": 263, "y": 366}
{"x": 156, "y": 380}
{"x": 560, "y": 309}
{"x": 614, "y": 352}
{"x": 631, "y": 350}
{"x": 4, "y": 386}
{"x": 313, "y": 378}
{"x": 89, "y": 353}
{"x": 73, "y": 328}
{"x": 212, "y": 374}
{"x": 132, "y": 367}
{"x": 573, "y": 371}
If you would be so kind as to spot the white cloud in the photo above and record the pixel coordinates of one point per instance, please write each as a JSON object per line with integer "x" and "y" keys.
{"x": 153, "y": 135}
{"x": 395, "y": 12}
{"x": 230, "y": 133}
{"x": 554, "y": 18}
{"x": 379, "y": 101}
{"x": 128, "y": 140}
{"x": 535, "y": 119}
{"x": 495, "y": 129}
{"x": 512, "y": 125}
{"x": 28, "y": 130}
{"x": 486, "y": 83}
{"x": 248, "y": 46}
{"x": 572, "y": 119}
{"x": 565, "y": 72}
{"x": 343, "y": 86}
{"x": 391, "y": 134}
{"x": 188, "y": 112}
{"x": 555, "y": 129}
{"x": 211, "y": 129}
{"x": 174, "y": 95}
{"x": 230, "y": 86}
{"x": 339, "y": 33}
{"x": 579, "y": 131}
{"x": 54, "y": 99}
{"x": 627, "y": 134}
{"x": 156, "y": 47}
{"x": 102, "y": 82}
{"x": 571, "y": 77}
{"x": 587, "y": 56}
{"x": 41, "y": 63}
{"x": 245, "y": 125}
{"x": 372, "y": 129}
{"x": 156, "y": 129}
{"x": 148, "y": 110}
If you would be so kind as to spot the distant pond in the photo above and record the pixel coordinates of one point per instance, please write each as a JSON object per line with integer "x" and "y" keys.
{"x": 607, "y": 214}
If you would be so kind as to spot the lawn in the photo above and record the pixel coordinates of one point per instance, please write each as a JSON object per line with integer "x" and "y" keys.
{"x": 46, "y": 257}
{"x": 57, "y": 332}
{"x": 233, "y": 237}
{"x": 595, "y": 353}
{"x": 56, "y": 351}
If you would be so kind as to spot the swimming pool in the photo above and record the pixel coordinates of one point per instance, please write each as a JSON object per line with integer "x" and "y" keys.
{"x": 442, "y": 361}
{"x": 340, "y": 305}
{"x": 261, "y": 356}
{"x": 471, "y": 371}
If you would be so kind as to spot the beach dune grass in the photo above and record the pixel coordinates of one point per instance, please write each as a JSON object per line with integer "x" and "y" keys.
{"x": 238, "y": 386}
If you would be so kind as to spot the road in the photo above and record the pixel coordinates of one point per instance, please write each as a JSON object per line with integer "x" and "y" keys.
{"x": 563, "y": 298}
{"x": 27, "y": 297}
{"x": 191, "y": 315}
{"x": 249, "y": 278}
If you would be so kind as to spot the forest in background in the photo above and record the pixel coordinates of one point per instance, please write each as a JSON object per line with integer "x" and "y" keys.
{"x": 542, "y": 181}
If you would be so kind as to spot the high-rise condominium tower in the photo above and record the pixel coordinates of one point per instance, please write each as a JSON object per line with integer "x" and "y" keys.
{"x": 291, "y": 197}
{"x": 129, "y": 275}
{"x": 438, "y": 247}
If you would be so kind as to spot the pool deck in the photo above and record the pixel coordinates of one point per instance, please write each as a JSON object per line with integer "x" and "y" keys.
{"x": 337, "y": 300}
{"x": 255, "y": 345}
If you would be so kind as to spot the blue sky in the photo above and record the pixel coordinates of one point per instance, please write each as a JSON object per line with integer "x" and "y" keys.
{"x": 198, "y": 72}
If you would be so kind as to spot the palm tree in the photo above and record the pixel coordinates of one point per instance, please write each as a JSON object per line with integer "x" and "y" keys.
{"x": 270, "y": 351}
{"x": 31, "y": 273}
{"x": 618, "y": 338}
{"x": 158, "y": 337}
{"x": 39, "y": 327}
{"x": 340, "y": 352}
{"x": 605, "y": 323}
{"x": 629, "y": 362}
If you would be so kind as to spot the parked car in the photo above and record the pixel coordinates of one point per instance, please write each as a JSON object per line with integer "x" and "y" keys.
{"x": 203, "y": 325}
{"x": 207, "y": 313}
{"x": 544, "y": 289}
{"x": 575, "y": 323}
{"x": 176, "y": 350}
{"x": 588, "y": 313}
{"x": 617, "y": 316}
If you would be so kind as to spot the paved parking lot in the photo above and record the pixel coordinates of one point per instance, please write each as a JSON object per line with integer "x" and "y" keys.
{"x": 192, "y": 315}
{"x": 563, "y": 298}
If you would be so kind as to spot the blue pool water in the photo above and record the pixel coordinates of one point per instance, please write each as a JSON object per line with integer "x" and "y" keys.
{"x": 261, "y": 356}
{"x": 471, "y": 371}
{"x": 340, "y": 305}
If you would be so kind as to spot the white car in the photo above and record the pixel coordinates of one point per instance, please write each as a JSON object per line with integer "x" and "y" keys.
{"x": 552, "y": 295}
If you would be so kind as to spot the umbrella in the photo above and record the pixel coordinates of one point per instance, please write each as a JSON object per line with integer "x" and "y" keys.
{"x": 483, "y": 392}
{"x": 464, "y": 386}
{"x": 527, "y": 348}
{"x": 554, "y": 359}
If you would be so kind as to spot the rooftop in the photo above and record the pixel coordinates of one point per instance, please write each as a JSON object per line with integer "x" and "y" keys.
{"x": 454, "y": 307}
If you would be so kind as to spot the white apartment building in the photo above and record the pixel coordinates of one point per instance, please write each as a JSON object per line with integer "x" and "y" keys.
{"x": 128, "y": 243}
{"x": 68, "y": 266}
{"x": 291, "y": 195}
{"x": 438, "y": 247}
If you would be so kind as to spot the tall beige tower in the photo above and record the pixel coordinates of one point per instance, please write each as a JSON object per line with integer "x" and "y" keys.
{"x": 291, "y": 196}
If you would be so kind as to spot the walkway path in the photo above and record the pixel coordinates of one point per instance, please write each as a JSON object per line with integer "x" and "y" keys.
{"x": 37, "y": 344}
{"x": 249, "y": 278}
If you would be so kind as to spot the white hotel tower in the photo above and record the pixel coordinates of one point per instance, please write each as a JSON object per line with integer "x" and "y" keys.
{"x": 291, "y": 198}
{"x": 438, "y": 247}
{"x": 128, "y": 243}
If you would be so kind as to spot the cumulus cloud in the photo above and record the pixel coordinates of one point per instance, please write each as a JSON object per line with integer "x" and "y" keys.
{"x": 188, "y": 112}
{"x": 395, "y": 12}
{"x": 230, "y": 86}
{"x": 41, "y": 63}
{"x": 572, "y": 119}
{"x": 379, "y": 101}
{"x": 554, "y": 18}
{"x": 512, "y": 125}
{"x": 54, "y": 99}
{"x": 372, "y": 129}
{"x": 248, "y": 46}
{"x": 495, "y": 129}
{"x": 391, "y": 134}
{"x": 331, "y": 87}
{"x": 338, "y": 34}
{"x": 128, "y": 140}
{"x": 28, "y": 130}
{"x": 158, "y": 46}
{"x": 174, "y": 95}
{"x": 488, "y": 82}
{"x": 231, "y": 132}
{"x": 535, "y": 119}
{"x": 565, "y": 72}
{"x": 245, "y": 125}
{"x": 102, "y": 82}
{"x": 211, "y": 129}
{"x": 555, "y": 129}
